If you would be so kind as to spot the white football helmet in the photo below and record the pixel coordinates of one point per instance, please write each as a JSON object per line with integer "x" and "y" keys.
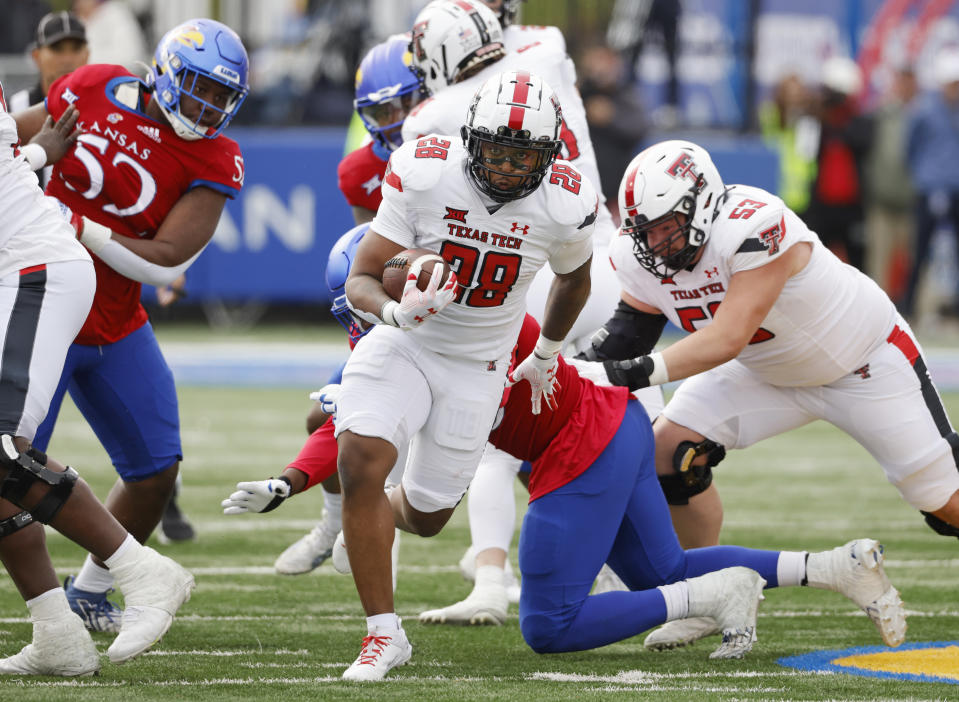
{"x": 669, "y": 178}
{"x": 451, "y": 37}
{"x": 514, "y": 116}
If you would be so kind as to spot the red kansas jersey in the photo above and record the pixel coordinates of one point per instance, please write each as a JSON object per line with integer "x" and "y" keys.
{"x": 360, "y": 175}
{"x": 561, "y": 443}
{"x": 127, "y": 171}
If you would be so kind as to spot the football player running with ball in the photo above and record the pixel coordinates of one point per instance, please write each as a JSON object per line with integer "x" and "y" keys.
{"x": 46, "y": 288}
{"x": 782, "y": 333}
{"x": 146, "y": 181}
{"x": 497, "y": 207}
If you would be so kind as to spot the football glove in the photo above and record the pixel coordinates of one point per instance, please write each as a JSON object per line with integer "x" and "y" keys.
{"x": 257, "y": 496}
{"x": 541, "y": 374}
{"x": 415, "y": 305}
{"x": 327, "y": 397}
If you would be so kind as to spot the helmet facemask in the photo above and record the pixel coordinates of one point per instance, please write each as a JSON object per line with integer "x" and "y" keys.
{"x": 185, "y": 84}
{"x": 529, "y": 160}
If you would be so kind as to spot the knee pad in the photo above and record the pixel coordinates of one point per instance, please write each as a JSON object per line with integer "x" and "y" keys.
{"x": 939, "y": 526}
{"x": 13, "y": 524}
{"x": 24, "y": 470}
{"x": 690, "y": 480}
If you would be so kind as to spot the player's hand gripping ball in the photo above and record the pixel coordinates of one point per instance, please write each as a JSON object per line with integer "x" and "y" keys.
{"x": 397, "y": 269}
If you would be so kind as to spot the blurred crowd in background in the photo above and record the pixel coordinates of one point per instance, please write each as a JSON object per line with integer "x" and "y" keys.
{"x": 858, "y": 98}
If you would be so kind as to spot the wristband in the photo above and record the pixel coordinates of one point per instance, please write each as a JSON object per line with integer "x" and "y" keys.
{"x": 547, "y": 348}
{"x": 275, "y": 502}
{"x": 35, "y": 156}
{"x": 94, "y": 235}
{"x": 659, "y": 374}
{"x": 388, "y": 312}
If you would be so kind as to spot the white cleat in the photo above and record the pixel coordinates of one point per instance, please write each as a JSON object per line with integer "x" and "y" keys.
{"x": 467, "y": 566}
{"x": 856, "y": 571}
{"x": 382, "y": 651}
{"x": 341, "y": 559}
{"x": 680, "y": 632}
{"x": 154, "y": 587}
{"x": 731, "y": 597}
{"x": 60, "y": 647}
{"x": 308, "y": 552}
{"x": 486, "y": 604}
{"x": 608, "y": 581}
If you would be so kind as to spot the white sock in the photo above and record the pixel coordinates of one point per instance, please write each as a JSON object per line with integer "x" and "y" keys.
{"x": 489, "y": 576}
{"x": 130, "y": 548}
{"x": 676, "y": 596}
{"x": 93, "y": 578}
{"x": 379, "y": 622}
{"x": 52, "y": 604}
{"x": 791, "y": 568}
{"x": 492, "y": 504}
{"x": 333, "y": 503}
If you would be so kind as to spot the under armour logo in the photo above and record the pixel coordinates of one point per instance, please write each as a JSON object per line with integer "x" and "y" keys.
{"x": 491, "y": 366}
{"x": 710, "y": 272}
{"x": 864, "y": 371}
{"x": 524, "y": 230}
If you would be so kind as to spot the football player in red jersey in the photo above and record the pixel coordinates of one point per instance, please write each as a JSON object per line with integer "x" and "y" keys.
{"x": 146, "y": 181}
{"x": 46, "y": 287}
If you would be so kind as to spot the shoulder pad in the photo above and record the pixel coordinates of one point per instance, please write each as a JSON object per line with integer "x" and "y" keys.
{"x": 570, "y": 197}
{"x": 418, "y": 164}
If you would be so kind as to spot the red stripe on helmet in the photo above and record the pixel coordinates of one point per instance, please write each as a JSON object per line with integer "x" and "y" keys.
{"x": 516, "y": 117}
{"x": 630, "y": 190}
{"x": 521, "y": 88}
{"x": 463, "y": 5}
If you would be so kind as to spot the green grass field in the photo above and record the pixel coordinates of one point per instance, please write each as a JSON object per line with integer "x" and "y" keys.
{"x": 250, "y": 634}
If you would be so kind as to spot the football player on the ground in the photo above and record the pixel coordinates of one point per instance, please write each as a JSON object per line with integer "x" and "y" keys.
{"x": 46, "y": 288}
{"x": 454, "y": 57}
{"x": 781, "y": 333}
{"x": 594, "y": 498}
{"x": 387, "y": 88}
{"x": 498, "y": 208}
{"x": 146, "y": 182}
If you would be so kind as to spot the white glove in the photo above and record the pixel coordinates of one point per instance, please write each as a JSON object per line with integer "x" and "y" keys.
{"x": 416, "y": 306}
{"x": 539, "y": 368}
{"x": 327, "y": 397}
{"x": 257, "y": 496}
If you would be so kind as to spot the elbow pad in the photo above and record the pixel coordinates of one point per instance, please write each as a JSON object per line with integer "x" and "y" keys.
{"x": 629, "y": 333}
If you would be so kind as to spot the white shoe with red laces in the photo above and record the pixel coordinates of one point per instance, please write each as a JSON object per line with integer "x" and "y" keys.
{"x": 383, "y": 650}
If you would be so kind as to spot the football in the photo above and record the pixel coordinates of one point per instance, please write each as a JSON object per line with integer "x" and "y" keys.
{"x": 397, "y": 268}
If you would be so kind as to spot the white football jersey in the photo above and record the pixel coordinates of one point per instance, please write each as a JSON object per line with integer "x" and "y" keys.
{"x": 542, "y": 55}
{"x": 826, "y": 321}
{"x": 429, "y": 201}
{"x": 32, "y": 230}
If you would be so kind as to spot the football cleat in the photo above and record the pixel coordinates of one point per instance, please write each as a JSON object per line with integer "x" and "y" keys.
{"x": 97, "y": 612}
{"x": 383, "y": 650}
{"x": 60, "y": 647}
{"x": 154, "y": 587}
{"x": 855, "y": 570}
{"x": 308, "y": 552}
{"x": 174, "y": 526}
{"x": 486, "y": 604}
{"x": 680, "y": 632}
{"x": 731, "y": 597}
{"x": 608, "y": 581}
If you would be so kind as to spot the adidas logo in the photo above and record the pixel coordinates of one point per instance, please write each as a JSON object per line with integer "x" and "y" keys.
{"x": 152, "y": 132}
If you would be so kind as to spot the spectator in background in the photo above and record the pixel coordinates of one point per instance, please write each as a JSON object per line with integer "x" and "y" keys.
{"x": 114, "y": 33}
{"x": 788, "y": 127}
{"x": 889, "y": 194}
{"x": 614, "y": 113}
{"x": 628, "y": 32}
{"x": 60, "y": 47}
{"x": 932, "y": 154}
{"x": 835, "y": 209}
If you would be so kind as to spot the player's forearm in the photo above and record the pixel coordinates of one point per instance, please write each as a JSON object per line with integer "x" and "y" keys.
{"x": 366, "y": 297}
{"x": 567, "y": 296}
{"x": 702, "y": 350}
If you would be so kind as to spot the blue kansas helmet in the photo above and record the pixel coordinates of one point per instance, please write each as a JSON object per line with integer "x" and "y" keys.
{"x": 337, "y": 270}
{"x": 199, "y": 47}
{"x": 387, "y": 89}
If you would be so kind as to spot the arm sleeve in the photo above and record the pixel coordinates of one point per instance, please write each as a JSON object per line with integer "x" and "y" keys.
{"x": 628, "y": 333}
{"x": 127, "y": 263}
